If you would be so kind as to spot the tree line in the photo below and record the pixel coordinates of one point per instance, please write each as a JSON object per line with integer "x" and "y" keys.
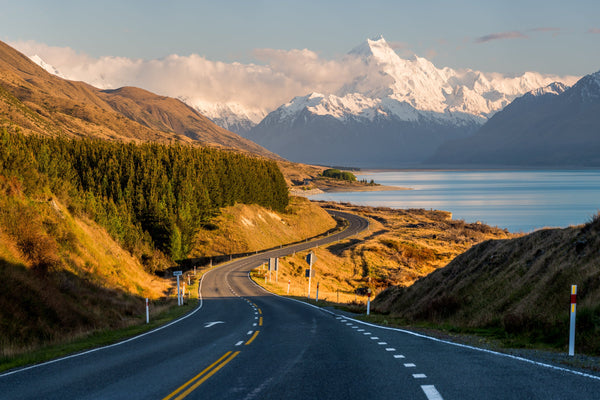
{"x": 144, "y": 194}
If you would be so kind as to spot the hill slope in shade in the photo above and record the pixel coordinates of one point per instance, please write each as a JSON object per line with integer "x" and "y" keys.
{"x": 36, "y": 101}
{"x": 553, "y": 127}
{"x": 519, "y": 286}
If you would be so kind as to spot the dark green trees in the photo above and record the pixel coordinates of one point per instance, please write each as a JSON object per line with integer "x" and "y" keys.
{"x": 337, "y": 174}
{"x": 161, "y": 194}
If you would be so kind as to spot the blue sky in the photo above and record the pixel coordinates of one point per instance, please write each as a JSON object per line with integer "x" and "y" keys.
{"x": 556, "y": 37}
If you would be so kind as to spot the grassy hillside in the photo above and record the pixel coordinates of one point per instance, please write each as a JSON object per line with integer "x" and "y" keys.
{"x": 62, "y": 276}
{"x": 399, "y": 247}
{"x": 34, "y": 101}
{"x": 517, "y": 289}
{"x": 246, "y": 228}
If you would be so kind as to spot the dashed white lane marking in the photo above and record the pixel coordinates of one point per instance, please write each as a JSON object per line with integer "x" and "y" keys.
{"x": 390, "y": 349}
{"x": 419, "y": 376}
{"x": 254, "y": 324}
{"x": 343, "y": 320}
{"x": 374, "y": 338}
{"x": 250, "y": 333}
{"x": 367, "y": 333}
{"x": 431, "y": 392}
{"x": 239, "y": 343}
{"x": 361, "y": 330}
{"x": 349, "y": 324}
{"x": 398, "y": 356}
{"x": 410, "y": 365}
{"x": 382, "y": 343}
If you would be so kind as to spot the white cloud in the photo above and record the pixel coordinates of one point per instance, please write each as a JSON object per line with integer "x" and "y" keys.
{"x": 284, "y": 75}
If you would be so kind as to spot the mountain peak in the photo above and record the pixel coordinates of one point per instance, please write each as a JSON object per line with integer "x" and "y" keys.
{"x": 588, "y": 88}
{"x": 554, "y": 88}
{"x": 376, "y": 48}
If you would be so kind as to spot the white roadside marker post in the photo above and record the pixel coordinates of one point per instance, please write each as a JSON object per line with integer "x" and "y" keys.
{"x": 270, "y": 267}
{"x": 147, "y": 312}
{"x": 368, "y": 301}
{"x": 317, "y": 298}
{"x": 572, "y": 323}
{"x": 289, "y": 281}
{"x": 310, "y": 259}
{"x": 178, "y": 274}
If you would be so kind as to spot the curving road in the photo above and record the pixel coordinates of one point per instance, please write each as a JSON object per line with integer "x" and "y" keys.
{"x": 245, "y": 343}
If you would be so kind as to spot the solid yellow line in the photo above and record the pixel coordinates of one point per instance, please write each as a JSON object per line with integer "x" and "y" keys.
{"x": 252, "y": 338}
{"x": 211, "y": 373}
{"x": 260, "y": 321}
{"x": 197, "y": 376}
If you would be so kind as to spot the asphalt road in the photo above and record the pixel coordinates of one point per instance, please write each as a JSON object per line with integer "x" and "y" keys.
{"x": 245, "y": 343}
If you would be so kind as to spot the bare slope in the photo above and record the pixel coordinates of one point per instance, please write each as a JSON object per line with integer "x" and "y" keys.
{"x": 34, "y": 101}
{"x": 519, "y": 286}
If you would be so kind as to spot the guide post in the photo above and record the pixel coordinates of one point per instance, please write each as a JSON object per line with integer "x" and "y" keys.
{"x": 178, "y": 274}
{"x": 572, "y": 324}
{"x": 310, "y": 259}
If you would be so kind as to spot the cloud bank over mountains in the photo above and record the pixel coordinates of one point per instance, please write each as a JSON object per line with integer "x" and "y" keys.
{"x": 219, "y": 89}
{"x": 283, "y": 75}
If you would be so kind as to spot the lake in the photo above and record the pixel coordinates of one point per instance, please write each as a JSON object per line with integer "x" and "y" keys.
{"x": 520, "y": 201}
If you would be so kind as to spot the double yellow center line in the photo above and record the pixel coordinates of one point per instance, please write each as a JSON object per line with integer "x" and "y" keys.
{"x": 199, "y": 379}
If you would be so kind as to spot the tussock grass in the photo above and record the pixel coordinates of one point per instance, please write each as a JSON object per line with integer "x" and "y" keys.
{"x": 400, "y": 247}
{"x": 517, "y": 288}
{"x": 246, "y": 228}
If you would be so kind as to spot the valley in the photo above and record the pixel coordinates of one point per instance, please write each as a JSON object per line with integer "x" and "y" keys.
{"x": 106, "y": 192}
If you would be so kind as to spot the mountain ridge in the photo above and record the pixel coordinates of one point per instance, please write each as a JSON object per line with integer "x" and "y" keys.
{"x": 36, "y": 101}
{"x": 401, "y": 103}
{"x": 554, "y": 126}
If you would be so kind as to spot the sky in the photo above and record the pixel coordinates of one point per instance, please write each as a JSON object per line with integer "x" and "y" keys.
{"x": 245, "y": 40}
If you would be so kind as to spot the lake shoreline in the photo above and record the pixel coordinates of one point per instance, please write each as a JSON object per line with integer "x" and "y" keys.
{"x": 521, "y": 201}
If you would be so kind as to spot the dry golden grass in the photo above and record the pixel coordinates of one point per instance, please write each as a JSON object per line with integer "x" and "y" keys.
{"x": 62, "y": 276}
{"x": 519, "y": 287}
{"x": 400, "y": 247}
{"x": 246, "y": 228}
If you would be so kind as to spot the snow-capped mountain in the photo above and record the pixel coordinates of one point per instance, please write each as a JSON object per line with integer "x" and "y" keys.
{"x": 410, "y": 104}
{"x": 231, "y": 116}
{"x": 553, "y": 126}
{"x": 49, "y": 68}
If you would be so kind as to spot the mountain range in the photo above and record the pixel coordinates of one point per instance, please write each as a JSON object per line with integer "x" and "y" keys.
{"x": 395, "y": 115}
{"x": 552, "y": 126}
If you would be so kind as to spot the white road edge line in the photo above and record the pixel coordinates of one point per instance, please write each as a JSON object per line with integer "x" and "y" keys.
{"x": 465, "y": 346}
{"x": 131, "y": 339}
{"x": 431, "y": 392}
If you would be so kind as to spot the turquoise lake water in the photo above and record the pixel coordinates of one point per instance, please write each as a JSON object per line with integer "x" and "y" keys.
{"x": 520, "y": 201}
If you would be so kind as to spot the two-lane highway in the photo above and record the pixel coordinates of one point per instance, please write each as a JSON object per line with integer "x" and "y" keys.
{"x": 245, "y": 343}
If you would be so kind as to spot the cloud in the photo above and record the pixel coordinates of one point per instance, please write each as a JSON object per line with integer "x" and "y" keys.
{"x": 545, "y": 29}
{"x": 501, "y": 36}
{"x": 283, "y": 75}
{"x": 594, "y": 30}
